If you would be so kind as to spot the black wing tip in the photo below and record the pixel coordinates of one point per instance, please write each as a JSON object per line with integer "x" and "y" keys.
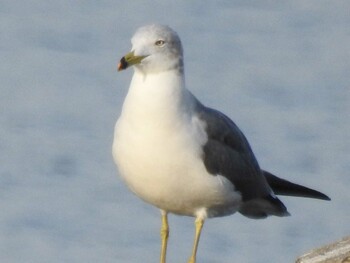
{"x": 315, "y": 194}
{"x": 283, "y": 187}
{"x": 311, "y": 193}
{"x": 325, "y": 197}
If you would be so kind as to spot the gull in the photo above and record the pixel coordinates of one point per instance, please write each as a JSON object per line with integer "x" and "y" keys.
{"x": 181, "y": 156}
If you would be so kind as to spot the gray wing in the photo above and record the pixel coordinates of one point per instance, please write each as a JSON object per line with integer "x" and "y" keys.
{"x": 228, "y": 153}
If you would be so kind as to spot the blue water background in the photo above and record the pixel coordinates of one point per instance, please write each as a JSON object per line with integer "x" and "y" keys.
{"x": 280, "y": 70}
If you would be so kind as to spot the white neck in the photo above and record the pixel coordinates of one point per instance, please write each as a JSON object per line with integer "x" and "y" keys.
{"x": 157, "y": 98}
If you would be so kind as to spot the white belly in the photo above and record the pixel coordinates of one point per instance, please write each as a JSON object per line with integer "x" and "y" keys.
{"x": 164, "y": 167}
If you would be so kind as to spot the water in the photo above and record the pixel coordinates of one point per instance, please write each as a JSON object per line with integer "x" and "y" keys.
{"x": 279, "y": 71}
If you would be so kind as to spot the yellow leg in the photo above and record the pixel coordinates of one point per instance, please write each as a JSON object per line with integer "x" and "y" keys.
{"x": 199, "y": 224}
{"x": 164, "y": 234}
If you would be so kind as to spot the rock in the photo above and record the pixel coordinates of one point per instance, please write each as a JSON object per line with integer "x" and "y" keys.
{"x": 338, "y": 252}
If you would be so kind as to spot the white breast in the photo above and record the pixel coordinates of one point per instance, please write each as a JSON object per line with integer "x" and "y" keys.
{"x": 158, "y": 150}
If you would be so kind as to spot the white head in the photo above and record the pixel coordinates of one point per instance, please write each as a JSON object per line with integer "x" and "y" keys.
{"x": 155, "y": 48}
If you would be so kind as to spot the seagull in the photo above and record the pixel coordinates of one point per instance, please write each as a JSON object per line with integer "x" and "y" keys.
{"x": 181, "y": 156}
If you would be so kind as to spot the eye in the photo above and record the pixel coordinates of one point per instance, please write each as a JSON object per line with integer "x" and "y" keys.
{"x": 159, "y": 43}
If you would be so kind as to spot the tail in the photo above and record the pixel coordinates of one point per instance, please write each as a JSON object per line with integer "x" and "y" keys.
{"x": 284, "y": 187}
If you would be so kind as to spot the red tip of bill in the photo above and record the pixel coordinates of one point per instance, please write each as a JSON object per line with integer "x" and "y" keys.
{"x": 120, "y": 66}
